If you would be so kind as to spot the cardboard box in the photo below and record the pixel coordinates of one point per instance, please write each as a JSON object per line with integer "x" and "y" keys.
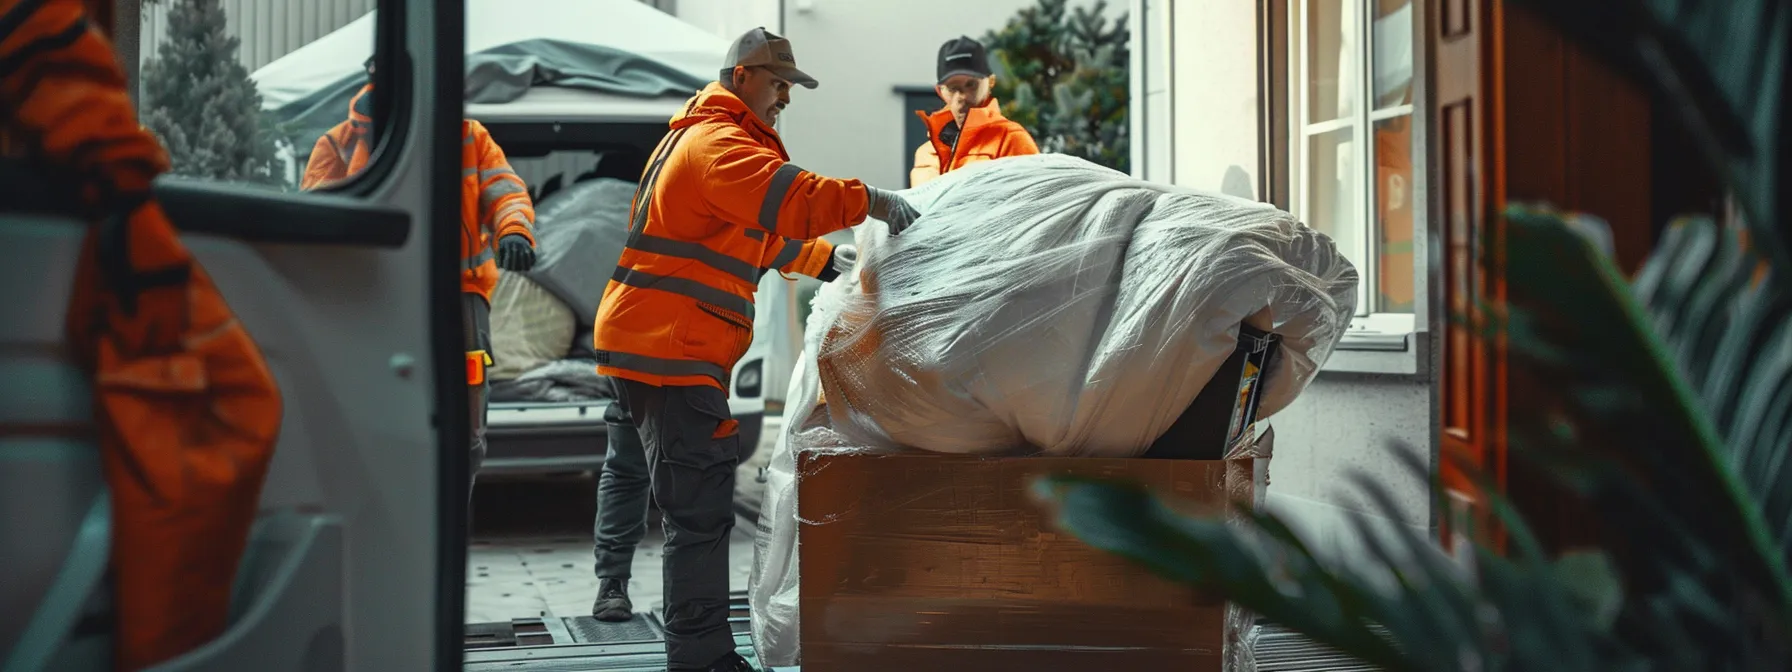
{"x": 940, "y": 562}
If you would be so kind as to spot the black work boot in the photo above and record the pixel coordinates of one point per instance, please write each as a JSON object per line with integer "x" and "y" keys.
{"x": 612, "y": 605}
{"x": 729, "y": 663}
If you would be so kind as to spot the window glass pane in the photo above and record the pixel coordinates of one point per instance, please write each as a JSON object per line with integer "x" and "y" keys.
{"x": 1331, "y": 59}
{"x": 1394, "y": 215}
{"x": 1332, "y": 190}
{"x": 1393, "y": 53}
{"x": 245, "y": 90}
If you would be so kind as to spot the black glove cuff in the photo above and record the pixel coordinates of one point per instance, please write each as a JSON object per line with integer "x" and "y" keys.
{"x": 829, "y": 273}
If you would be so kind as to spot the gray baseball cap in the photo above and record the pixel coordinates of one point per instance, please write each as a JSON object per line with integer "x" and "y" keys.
{"x": 759, "y": 47}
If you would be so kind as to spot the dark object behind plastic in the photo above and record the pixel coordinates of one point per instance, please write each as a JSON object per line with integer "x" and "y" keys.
{"x": 1221, "y": 412}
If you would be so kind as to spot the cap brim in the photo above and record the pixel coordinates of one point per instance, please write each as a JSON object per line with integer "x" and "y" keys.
{"x": 795, "y": 76}
{"x": 955, "y": 73}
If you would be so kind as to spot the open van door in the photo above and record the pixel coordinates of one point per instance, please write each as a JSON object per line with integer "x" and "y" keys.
{"x": 357, "y": 559}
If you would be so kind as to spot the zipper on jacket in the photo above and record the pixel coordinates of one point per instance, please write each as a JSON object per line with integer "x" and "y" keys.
{"x": 957, "y": 140}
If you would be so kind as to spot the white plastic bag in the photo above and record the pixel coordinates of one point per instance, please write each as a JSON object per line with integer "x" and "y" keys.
{"x": 1040, "y": 301}
{"x": 773, "y": 585}
{"x": 1047, "y": 304}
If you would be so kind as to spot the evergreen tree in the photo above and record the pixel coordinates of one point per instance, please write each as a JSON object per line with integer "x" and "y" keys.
{"x": 1066, "y": 77}
{"x": 199, "y": 100}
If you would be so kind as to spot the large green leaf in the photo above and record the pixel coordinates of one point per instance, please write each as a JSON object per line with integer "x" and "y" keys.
{"x": 1731, "y": 337}
{"x": 1519, "y": 613}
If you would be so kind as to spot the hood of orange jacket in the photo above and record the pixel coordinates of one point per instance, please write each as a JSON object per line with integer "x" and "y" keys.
{"x": 986, "y": 135}
{"x": 719, "y": 205}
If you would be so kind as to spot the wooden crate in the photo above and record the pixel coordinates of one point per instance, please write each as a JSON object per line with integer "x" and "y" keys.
{"x": 937, "y": 562}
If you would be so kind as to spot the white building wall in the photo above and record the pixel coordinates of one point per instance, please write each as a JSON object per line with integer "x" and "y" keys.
{"x": 729, "y": 18}
{"x": 1213, "y": 94}
{"x": 1203, "y": 123}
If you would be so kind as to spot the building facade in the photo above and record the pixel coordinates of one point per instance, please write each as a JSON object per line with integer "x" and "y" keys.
{"x": 1403, "y": 129}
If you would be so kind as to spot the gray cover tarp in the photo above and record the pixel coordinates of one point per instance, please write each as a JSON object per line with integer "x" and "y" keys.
{"x": 580, "y": 231}
{"x": 620, "y": 47}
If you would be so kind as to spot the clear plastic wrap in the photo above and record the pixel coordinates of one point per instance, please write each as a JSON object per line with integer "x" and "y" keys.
{"x": 1047, "y": 305}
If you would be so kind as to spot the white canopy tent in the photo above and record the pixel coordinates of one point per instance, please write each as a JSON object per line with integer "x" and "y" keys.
{"x": 527, "y": 60}
{"x": 624, "y": 25}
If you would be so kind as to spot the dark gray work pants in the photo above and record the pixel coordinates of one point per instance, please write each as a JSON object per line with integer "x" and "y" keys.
{"x": 691, "y": 476}
{"x": 476, "y": 322}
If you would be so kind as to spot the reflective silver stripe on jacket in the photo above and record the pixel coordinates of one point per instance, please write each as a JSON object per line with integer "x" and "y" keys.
{"x": 788, "y": 254}
{"x": 478, "y": 260}
{"x": 687, "y": 287}
{"x": 695, "y": 252}
{"x": 773, "y": 205}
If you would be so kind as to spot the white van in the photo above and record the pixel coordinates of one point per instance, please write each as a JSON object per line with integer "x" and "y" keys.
{"x": 358, "y": 556}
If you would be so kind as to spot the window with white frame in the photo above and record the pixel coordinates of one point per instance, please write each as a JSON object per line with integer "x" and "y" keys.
{"x": 1351, "y": 144}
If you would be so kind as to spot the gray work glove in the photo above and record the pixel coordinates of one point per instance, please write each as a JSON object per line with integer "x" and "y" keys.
{"x": 895, "y": 211}
{"x": 515, "y": 253}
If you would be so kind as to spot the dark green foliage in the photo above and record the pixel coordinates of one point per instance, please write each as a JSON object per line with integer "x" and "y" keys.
{"x": 199, "y": 100}
{"x": 1066, "y": 76}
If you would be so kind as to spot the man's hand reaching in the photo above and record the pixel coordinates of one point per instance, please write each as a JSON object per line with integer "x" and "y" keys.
{"x": 515, "y": 254}
{"x": 892, "y": 209}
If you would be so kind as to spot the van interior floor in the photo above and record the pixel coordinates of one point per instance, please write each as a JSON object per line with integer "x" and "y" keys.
{"x": 530, "y": 584}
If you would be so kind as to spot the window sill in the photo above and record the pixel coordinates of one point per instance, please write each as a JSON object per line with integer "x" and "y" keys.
{"x": 1381, "y": 343}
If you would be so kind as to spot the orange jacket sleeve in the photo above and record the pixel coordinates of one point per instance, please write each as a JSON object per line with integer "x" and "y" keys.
{"x": 1019, "y": 143}
{"x": 808, "y": 257}
{"x": 748, "y": 184}
{"x": 927, "y": 165}
{"x": 503, "y": 198}
{"x": 324, "y": 166}
{"x": 85, "y": 122}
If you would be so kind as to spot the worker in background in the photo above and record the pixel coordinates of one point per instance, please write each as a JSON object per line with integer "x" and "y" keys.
{"x": 718, "y": 205}
{"x": 497, "y": 221}
{"x": 342, "y": 152}
{"x": 970, "y": 128}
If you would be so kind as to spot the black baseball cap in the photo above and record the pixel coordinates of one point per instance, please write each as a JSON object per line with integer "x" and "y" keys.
{"x": 963, "y": 56}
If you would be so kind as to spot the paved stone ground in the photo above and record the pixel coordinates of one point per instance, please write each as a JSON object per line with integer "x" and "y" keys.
{"x": 531, "y": 548}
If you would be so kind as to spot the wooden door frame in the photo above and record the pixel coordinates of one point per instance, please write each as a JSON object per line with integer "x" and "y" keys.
{"x": 1465, "y": 41}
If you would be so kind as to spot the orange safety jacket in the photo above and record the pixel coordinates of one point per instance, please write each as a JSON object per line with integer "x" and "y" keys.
{"x": 986, "y": 135}
{"x": 494, "y": 203}
{"x": 718, "y": 205}
{"x": 185, "y": 409}
{"x": 342, "y": 152}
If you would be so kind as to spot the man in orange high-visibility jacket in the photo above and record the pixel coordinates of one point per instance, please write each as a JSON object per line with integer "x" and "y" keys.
{"x": 719, "y": 204}
{"x": 342, "y": 152}
{"x": 496, "y": 222}
{"x": 970, "y": 128}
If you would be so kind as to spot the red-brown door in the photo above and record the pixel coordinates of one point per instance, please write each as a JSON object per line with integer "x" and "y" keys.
{"x": 1464, "y": 38}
